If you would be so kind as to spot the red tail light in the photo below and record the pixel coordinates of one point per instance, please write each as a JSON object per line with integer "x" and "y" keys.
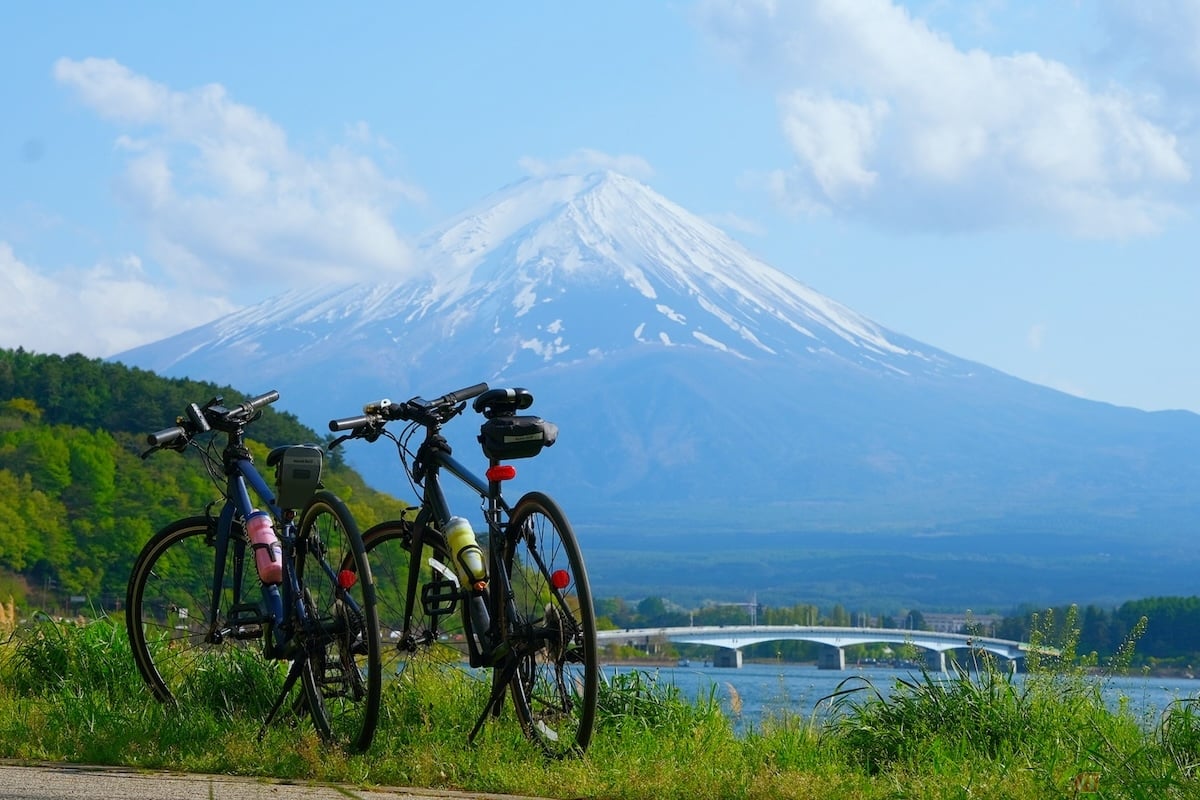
{"x": 501, "y": 472}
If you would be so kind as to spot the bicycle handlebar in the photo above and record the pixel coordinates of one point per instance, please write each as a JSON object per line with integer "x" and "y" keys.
{"x": 416, "y": 409}
{"x": 199, "y": 420}
{"x": 460, "y": 395}
{"x": 166, "y": 436}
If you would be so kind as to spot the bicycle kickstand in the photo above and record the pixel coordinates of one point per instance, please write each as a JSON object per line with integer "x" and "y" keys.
{"x": 496, "y": 701}
{"x": 292, "y": 676}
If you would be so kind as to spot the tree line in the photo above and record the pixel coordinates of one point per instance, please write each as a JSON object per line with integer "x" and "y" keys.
{"x": 77, "y": 501}
{"x": 1171, "y": 637}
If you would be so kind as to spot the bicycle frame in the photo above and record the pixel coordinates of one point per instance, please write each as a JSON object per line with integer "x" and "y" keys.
{"x": 435, "y": 507}
{"x": 237, "y": 502}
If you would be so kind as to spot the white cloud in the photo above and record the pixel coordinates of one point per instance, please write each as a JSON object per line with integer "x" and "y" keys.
{"x": 733, "y": 222}
{"x": 227, "y": 200}
{"x": 836, "y": 137}
{"x": 890, "y": 122}
{"x": 97, "y": 311}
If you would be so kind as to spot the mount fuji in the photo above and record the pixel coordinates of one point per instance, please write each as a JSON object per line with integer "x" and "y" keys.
{"x": 707, "y": 400}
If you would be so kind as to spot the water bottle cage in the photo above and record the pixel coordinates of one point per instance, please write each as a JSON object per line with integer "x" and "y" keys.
{"x": 264, "y": 546}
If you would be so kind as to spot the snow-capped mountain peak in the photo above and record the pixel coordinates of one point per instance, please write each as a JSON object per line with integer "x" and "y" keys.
{"x": 559, "y": 269}
{"x": 537, "y": 244}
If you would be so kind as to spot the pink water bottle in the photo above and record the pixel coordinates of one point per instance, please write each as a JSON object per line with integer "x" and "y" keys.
{"x": 268, "y": 556}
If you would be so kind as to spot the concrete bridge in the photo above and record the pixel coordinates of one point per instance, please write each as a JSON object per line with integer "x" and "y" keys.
{"x": 729, "y": 639}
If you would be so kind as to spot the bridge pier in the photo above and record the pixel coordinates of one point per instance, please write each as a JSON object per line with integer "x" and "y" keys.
{"x": 728, "y": 658}
{"x": 831, "y": 657}
{"x": 935, "y": 660}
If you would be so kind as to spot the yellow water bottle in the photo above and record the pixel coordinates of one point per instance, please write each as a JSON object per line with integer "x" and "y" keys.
{"x": 472, "y": 571}
{"x": 468, "y": 558}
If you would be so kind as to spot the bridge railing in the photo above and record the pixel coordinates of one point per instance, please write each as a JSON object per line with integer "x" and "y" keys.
{"x": 735, "y": 637}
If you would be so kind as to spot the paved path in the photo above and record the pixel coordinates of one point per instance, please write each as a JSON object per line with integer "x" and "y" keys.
{"x": 72, "y": 782}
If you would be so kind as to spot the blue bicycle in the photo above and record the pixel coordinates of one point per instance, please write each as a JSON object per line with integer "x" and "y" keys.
{"x": 209, "y": 590}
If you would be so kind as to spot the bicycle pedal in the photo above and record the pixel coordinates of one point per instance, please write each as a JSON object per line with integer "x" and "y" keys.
{"x": 246, "y": 621}
{"x": 247, "y": 632}
{"x": 439, "y": 598}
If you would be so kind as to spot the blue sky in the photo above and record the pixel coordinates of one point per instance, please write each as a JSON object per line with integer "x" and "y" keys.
{"x": 1015, "y": 183}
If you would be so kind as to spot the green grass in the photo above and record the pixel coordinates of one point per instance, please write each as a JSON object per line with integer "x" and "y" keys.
{"x": 71, "y": 693}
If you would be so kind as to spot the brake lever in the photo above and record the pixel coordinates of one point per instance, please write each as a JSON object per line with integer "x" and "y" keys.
{"x": 179, "y": 445}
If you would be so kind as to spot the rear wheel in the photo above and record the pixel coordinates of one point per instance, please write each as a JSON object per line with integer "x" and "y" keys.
{"x": 184, "y": 657}
{"x": 553, "y": 633}
{"x": 342, "y": 680}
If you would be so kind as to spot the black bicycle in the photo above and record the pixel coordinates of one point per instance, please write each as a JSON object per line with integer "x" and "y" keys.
{"x": 207, "y": 591}
{"x": 520, "y": 606}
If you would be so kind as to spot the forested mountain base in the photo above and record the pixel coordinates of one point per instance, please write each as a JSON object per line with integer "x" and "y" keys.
{"x": 77, "y": 502}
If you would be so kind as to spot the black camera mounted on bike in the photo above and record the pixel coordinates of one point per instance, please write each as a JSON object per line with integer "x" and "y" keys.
{"x": 507, "y": 435}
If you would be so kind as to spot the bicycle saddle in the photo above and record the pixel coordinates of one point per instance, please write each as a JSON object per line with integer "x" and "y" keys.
{"x": 502, "y": 402}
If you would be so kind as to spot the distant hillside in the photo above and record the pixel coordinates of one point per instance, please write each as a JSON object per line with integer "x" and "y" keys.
{"x": 76, "y": 500}
{"x": 91, "y": 393}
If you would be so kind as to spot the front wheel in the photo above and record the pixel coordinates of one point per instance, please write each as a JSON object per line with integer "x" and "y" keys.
{"x": 188, "y": 652}
{"x": 552, "y": 634}
{"x": 340, "y": 633}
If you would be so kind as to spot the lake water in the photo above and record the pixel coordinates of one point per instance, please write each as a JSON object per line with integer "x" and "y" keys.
{"x": 765, "y": 689}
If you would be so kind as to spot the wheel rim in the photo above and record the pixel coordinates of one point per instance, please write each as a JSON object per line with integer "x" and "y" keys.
{"x": 342, "y": 679}
{"x": 553, "y": 634}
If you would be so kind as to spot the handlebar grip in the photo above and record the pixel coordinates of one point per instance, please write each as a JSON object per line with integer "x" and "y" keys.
{"x": 165, "y": 436}
{"x": 349, "y": 423}
{"x": 461, "y": 394}
{"x": 263, "y": 399}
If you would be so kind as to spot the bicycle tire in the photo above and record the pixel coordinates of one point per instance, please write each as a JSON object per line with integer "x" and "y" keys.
{"x": 553, "y": 634}
{"x": 342, "y": 679}
{"x": 167, "y": 604}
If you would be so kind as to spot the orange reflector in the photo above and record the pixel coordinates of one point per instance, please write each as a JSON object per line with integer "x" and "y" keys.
{"x": 560, "y": 579}
{"x": 347, "y": 578}
{"x": 501, "y": 472}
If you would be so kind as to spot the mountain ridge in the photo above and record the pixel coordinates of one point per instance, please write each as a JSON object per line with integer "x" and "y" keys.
{"x": 694, "y": 383}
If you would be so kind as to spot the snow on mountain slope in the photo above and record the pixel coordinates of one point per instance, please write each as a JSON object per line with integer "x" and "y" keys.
{"x": 559, "y": 270}
{"x": 537, "y": 243}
